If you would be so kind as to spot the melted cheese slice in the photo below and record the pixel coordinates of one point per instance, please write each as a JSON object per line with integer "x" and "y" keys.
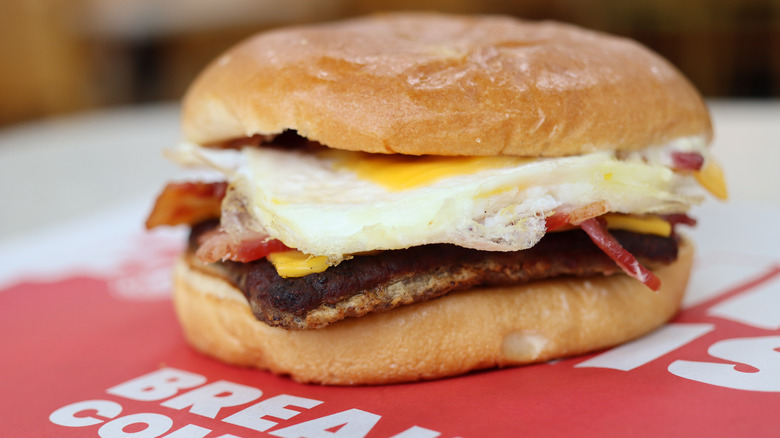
{"x": 403, "y": 172}
{"x": 645, "y": 225}
{"x": 711, "y": 178}
{"x": 297, "y": 264}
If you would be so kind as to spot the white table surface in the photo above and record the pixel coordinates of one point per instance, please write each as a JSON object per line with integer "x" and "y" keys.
{"x": 60, "y": 170}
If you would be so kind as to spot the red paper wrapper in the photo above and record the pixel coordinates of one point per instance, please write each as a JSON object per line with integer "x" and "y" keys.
{"x": 98, "y": 352}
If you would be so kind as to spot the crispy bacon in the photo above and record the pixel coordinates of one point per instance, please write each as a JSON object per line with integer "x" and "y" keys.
{"x": 597, "y": 231}
{"x": 187, "y": 203}
{"x": 565, "y": 221}
{"x": 216, "y": 245}
{"x": 556, "y": 221}
{"x": 192, "y": 203}
{"x": 679, "y": 218}
{"x": 578, "y": 215}
{"x": 687, "y": 160}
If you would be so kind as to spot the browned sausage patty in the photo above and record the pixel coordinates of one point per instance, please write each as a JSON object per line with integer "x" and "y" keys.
{"x": 388, "y": 279}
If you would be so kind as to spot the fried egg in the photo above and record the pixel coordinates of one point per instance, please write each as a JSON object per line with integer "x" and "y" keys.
{"x": 336, "y": 203}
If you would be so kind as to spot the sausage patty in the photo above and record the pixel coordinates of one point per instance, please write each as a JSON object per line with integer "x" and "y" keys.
{"x": 388, "y": 279}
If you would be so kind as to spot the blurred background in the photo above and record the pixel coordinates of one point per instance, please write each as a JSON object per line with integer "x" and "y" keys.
{"x": 63, "y": 56}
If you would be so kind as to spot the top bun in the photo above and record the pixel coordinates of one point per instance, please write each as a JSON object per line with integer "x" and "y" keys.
{"x": 437, "y": 84}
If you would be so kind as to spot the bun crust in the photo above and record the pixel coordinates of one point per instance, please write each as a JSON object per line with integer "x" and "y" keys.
{"x": 475, "y": 329}
{"x": 446, "y": 85}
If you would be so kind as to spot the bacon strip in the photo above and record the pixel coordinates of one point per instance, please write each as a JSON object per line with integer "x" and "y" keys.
{"x": 192, "y": 203}
{"x": 597, "y": 231}
{"x": 216, "y": 245}
{"x": 679, "y": 218}
{"x": 187, "y": 203}
{"x": 566, "y": 221}
{"x": 687, "y": 160}
{"x": 555, "y": 221}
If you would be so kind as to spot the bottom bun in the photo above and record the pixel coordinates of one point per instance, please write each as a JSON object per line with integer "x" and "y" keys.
{"x": 463, "y": 331}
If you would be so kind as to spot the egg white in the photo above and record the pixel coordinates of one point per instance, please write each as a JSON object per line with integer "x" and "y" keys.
{"x": 311, "y": 203}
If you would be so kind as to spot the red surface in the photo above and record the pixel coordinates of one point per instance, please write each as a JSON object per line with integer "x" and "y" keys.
{"x": 71, "y": 340}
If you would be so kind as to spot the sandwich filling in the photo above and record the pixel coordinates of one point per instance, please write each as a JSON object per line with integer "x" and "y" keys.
{"x": 297, "y": 209}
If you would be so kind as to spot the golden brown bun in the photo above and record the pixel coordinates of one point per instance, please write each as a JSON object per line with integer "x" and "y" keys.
{"x": 464, "y": 331}
{"x": 446, "y": 85}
